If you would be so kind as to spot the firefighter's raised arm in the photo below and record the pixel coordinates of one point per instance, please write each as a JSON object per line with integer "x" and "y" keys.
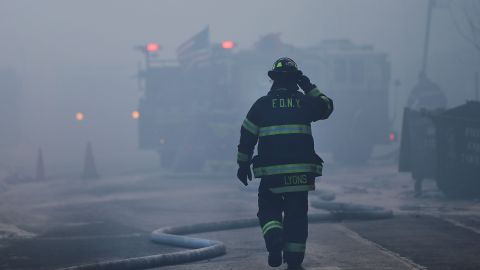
{"x": 321, "y": 106}
{"x": 248, "y": 140}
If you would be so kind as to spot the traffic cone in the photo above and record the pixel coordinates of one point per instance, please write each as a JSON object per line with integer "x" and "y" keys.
{"x": 89, "y": 168}
{"x": 40, "y": 172}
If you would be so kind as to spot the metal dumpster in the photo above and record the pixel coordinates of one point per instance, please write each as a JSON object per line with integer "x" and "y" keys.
{"x": 458, "y": 150}
{"x": 418, "y": 144}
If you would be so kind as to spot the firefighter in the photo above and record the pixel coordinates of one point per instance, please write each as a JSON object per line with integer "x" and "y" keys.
{"x": 286, "y": 162}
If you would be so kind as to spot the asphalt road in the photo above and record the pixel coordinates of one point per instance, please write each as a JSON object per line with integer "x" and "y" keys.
{"x": 79, "y": 222}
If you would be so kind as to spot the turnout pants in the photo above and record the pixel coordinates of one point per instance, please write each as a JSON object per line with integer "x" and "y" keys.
{"x": 284, "y": 222}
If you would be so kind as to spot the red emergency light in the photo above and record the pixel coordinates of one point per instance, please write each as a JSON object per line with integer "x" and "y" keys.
{"x": 152, "y": 47}
{"x": 79, "y": 116}
{"x": 135, "y": 115}
{"x": 392, "y": 136}
{"x": 228, "y": 44}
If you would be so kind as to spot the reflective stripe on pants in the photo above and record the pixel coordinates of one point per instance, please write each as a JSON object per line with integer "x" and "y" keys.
{"x": 294, "y": 206}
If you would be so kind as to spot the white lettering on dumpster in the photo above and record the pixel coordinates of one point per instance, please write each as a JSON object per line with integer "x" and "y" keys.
{"x": 471, "y": 154}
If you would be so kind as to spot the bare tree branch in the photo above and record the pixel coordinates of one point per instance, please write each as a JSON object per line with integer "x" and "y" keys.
{"x": 471, "y": 12}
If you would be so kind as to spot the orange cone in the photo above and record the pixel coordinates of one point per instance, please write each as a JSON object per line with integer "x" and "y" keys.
{"x": 89, "y": 168}
{"x": 40, "y": 172}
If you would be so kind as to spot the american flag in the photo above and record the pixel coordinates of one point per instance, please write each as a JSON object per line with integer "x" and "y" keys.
{"x": 196, "y": 50}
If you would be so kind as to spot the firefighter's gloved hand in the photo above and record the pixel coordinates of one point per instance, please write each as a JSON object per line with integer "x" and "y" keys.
{"x": 305, "y": 84}
{"x": 243, "y": 173}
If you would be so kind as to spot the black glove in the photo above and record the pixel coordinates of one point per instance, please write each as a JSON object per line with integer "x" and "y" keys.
{"x": 243, "y": 173}
{"x": 305, "y": 84}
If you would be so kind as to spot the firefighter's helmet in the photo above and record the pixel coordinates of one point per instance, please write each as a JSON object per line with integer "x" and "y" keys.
{"x": 284, "y": 68}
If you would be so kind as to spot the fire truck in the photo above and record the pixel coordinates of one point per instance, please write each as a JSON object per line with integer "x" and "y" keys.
{"x": 193, "y": 114}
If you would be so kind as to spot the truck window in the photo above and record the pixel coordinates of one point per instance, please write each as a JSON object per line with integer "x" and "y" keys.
{"x": 340, "y": 70}
{"x": 357, "y": 71}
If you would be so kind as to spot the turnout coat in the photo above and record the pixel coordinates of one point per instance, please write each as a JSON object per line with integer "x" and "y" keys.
{"x": 281, "y": 124}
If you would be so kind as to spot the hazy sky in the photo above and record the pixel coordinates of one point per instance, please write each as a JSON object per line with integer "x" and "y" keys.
{"x": 77, "y": 55}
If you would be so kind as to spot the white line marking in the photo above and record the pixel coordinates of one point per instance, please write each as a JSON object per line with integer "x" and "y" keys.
{"x": 407, "y": 262}
{"x": 459, "y": 224}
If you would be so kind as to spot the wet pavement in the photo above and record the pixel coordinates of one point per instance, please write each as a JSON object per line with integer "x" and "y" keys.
{"x": 77, "y": 222}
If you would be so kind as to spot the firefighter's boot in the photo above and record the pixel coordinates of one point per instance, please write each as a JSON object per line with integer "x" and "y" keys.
{"x": 273, "y": 235}
{"x": 295, "y": 258}
{"x": 275, "y": 258}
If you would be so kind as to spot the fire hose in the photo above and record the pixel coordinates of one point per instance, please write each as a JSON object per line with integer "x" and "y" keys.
{"x": 200, "y": 249}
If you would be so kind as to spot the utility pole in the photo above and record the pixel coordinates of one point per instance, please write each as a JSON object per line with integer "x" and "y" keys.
{"x": 476, "y": 87}
{"x": 427, "y": 36}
